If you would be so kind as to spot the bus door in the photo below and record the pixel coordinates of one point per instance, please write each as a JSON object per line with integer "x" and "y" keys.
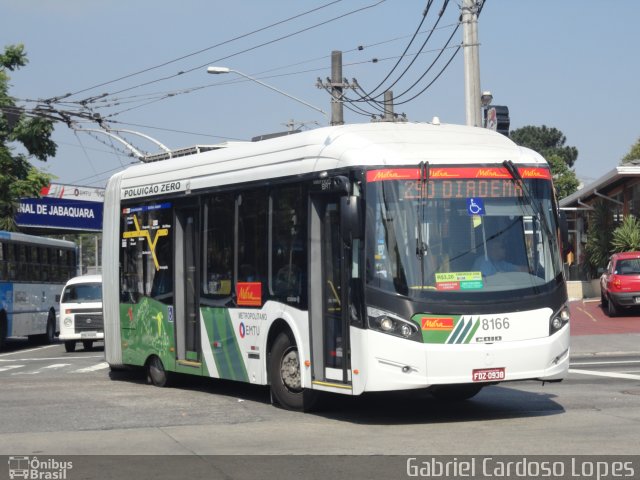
{"x": 328, "y": 305}
{"x": 187, "y": 296}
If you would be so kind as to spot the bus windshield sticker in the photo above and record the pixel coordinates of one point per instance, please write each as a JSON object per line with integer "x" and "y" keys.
{"x": 459, "y": 281}
{"x": 475, "y": 206}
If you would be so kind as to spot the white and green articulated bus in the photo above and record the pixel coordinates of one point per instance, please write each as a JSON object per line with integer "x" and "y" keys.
{"x": 345, "y": 259}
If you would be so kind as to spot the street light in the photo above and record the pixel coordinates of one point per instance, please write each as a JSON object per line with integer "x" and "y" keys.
{"x": 486, "y": 98}
{"x": 221, "y": 70}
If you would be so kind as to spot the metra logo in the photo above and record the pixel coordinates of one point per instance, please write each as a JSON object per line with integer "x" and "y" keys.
{"x": 533, "y": 173}
{"x": 250, "y": 293}
{"x": 442, "y": 173}
{"x": 437, "y": 323}
{"x": 491, "y": 173}
{"x": 390, "y": 175}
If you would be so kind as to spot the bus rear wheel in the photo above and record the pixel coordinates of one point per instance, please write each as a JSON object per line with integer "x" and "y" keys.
{"x": 286, "y": 377}
{"x": 156, "y": 374}
{"x": 455, "y": 393}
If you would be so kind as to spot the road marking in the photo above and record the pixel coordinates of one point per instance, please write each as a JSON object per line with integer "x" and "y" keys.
{"x": 10, "y": 367}
{"x": 26, "y": 351}
{"x": 35, "y": 372}
{"x": 612, "y": 362}
{"x": 42, "y": 359}
{"x": 94, "y": 368}
{"x": 605, "y": 374}
{"x": 587, "y": 313}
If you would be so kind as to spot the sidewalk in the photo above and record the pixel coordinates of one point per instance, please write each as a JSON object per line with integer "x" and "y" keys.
{"x": 605, "y": 345}
{"x": 593, "y": 333}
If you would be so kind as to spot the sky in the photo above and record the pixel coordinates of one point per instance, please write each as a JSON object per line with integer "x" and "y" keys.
{"x": 568, "y": 64}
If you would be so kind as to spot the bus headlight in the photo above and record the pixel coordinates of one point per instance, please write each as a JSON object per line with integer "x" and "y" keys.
{"x": 67, "y": 322}
{"x": 559, "y": 319}
{"x": 389, "y": 323}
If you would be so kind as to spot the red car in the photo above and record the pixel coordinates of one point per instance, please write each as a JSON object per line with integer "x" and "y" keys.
{"x": 620, "y": 284}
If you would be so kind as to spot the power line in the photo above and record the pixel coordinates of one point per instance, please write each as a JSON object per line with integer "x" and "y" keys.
{"x": 424, "y": 17}
{"x": 124, "y": 77}
{"x": 440, "y": 14}
{"x": 255, "y": 47}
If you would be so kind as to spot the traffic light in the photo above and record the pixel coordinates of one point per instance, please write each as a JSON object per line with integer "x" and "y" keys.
{"x": 496, "y": 118}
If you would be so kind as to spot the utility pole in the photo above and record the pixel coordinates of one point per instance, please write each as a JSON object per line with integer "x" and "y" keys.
{"x": 471, "y": 62}
{"x": 388, "y": 106}
{"x": 337, "y": 110}
{"x": 389, "y": 115}
{"x": 335, "y": 85}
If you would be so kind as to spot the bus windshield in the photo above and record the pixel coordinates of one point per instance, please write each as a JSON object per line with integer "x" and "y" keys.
{"x": 450, "y": 232}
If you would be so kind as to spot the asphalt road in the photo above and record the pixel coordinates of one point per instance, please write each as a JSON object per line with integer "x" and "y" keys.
{"x": 58, "y": 403}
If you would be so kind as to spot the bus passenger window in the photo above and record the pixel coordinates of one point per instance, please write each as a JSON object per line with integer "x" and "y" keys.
{"x": 252, "y": 236}
{"x": 217, "y": 274}
{"x": 288, "y": 257}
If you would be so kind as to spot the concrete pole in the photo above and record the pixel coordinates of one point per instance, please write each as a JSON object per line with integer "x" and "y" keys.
{"x": 337, "y": 110}
{"x": 388, "y": 106}
{"x": 471, "y": 63}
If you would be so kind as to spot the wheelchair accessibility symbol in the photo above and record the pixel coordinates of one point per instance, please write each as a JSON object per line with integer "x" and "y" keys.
{"x": 475, "y": 206}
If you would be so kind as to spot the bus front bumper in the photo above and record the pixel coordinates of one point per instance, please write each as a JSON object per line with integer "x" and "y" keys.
{"x": 396, "y": 364}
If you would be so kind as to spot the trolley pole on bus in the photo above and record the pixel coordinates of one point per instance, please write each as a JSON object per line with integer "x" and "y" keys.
{"x": 471, "y": 62}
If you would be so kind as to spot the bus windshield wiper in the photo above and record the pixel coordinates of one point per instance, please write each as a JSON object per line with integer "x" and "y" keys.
{"x": 421, "y": 246}
{"x": 535, "y": 204}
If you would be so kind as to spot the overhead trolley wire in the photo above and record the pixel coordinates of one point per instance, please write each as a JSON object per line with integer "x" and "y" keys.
{"x": 424, "y": 17}
{"x": 255, "y": 47}
{"x": 169, "y": 62}
{"x": 369, "y": 95}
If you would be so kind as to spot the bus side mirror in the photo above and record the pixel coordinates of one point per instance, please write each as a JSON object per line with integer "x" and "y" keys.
{"x": 564, "y": 229}
{"x": 351, "y": 222}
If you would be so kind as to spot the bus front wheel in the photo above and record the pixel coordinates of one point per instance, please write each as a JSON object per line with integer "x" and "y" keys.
{"x": 286, "y": 377}
{"x": 156, "y": 374}
{"x": 70, "y": 346}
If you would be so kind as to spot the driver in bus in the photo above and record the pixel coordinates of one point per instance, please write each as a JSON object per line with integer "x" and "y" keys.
{"x": 496, "y": 260}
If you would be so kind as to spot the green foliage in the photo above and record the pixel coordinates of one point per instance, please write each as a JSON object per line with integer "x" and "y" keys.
{"x": 13, "y": 57}
{"x": 634, "y": 153}
{"x": 565, "y": 181}
{"x": 599, "y": 235}
{"x": 546, "y": 141}
{"x": 626, "y": 237}
{"x": 549, "y": 142}
{"x": 18, "y": 178}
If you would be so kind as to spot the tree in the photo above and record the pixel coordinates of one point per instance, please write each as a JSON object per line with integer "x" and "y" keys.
{"x": 565, "y": 181}
{"x": 18, "y": 178}
{"x": 550, "y": 143}
{"x": 546, "y": 141}
{"x": 626, "y": 237}
{"x": 599, "y": 235}
{"x": 634, "y": 154}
